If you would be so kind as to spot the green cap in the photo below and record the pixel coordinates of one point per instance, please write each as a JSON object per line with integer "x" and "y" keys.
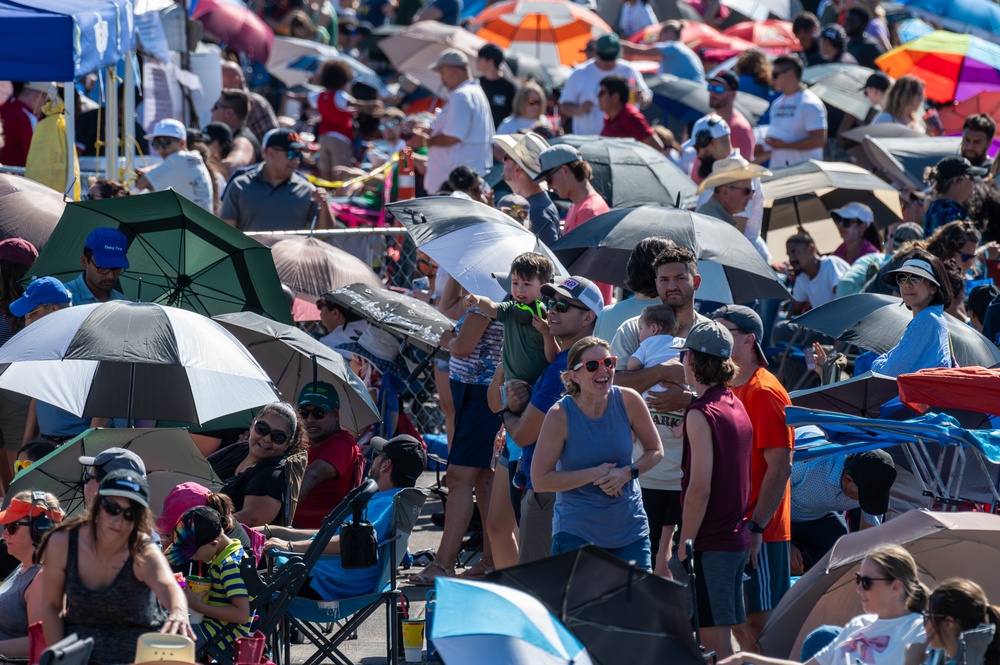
{"x": 321, "y": 394}
{"x": 608, "y": 47}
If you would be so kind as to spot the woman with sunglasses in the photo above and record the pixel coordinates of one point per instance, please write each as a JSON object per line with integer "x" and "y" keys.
{"x": 110, "y": 577}
{"x": 952, "y": 183}
{"x": 958, "y": 241}
{"x": 584, "y": 455}
{"x": 892, "y": 599}
{"x": 856, "y": 226}
{"x": 21, "y": 592}
{"x": 962, "y": 628}
{"x": 529, "y": 110}
{"x": 253, "y": 470}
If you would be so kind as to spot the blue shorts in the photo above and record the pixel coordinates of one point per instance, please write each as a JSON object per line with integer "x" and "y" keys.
{"x": 476, "y": 426}
{"x": 770, "y": 580}
{"x": 637, "y": 551}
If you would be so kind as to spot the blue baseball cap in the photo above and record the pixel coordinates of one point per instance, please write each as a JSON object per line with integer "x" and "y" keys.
{"x": 109, "y": 247}
{"x": 41, "y": 291}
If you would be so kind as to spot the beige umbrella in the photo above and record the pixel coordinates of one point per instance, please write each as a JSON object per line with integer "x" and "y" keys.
{"x": 943, "y": 544}
{"x": 310, "y": 267}
{"x": 28, "y": 209}
{"x": 416, "y": 48}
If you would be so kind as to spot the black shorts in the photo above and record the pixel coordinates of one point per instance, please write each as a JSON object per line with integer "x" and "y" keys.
{"x": 662, "y": 507}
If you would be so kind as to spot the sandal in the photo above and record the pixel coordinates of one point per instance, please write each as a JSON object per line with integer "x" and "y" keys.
{"x": 426, "y": 578}
{"x": 478, "y": 571}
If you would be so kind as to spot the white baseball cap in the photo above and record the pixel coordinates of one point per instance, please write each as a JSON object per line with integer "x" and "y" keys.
{"x": 169, "y": 128}
{"x": 577, "y": 288}
{"x": 855, "y": 210}
{"x": 709, "y": 127}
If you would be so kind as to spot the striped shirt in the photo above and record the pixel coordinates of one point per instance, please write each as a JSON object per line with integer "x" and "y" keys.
{"x": 227, "y": 583}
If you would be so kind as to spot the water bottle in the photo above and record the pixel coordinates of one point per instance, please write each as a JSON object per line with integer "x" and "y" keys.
{"x": 432, "y": 652}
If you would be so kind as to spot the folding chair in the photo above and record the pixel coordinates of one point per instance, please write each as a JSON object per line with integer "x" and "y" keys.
{"x": 272, "y": 596}
{"x": 303, "y": 614}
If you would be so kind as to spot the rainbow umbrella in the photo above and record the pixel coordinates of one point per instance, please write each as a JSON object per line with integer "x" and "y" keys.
{"x": 953, "y": 66}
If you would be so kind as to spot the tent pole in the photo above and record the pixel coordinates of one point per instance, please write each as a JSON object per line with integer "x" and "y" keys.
{"x": 111, "y": 124}
{"x": 128, "y": 113}
{"x": 69, "y": 100}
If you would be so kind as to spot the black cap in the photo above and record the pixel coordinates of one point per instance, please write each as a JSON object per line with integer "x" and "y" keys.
{"x": 835, "y": 33}
{"x": 874, "y": 474}
{"x": 878, "y": 80}
{"x": 953, "y": 167}
{"x": 405, "y": 452}
{"x": 127, "y": 484}
{"x": 727, "y": 77}
{"x": 980, "y": 298}
{"x": 283, "y": 139}
{"x": 492, "y": 52}
{"x": 219, "y": 131}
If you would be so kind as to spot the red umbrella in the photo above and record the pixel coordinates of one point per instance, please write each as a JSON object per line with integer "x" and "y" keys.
{"x": 703, "y": 39}
{"x": 773, "y": 35}
{"x": 236, "y": 26}
{"x": 969, "y": 388}
{"x": 953, "y": 117}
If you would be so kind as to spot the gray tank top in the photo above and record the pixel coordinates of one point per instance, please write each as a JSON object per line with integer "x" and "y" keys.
{"x": 13, "y": 609}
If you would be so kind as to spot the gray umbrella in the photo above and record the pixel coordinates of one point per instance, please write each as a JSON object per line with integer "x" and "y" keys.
{"x": 912, "y": 155}
{"x": 688, "y": 100}
{"x": 876, "y": 322}
{"x": 840, "y": 86}
{"x": 859, "y": 396}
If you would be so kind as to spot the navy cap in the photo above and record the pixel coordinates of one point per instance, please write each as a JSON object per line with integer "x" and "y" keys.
{"x": 41, "y": 291}
{"x": 283, "y": 139}
{"x": 109, "y": 247}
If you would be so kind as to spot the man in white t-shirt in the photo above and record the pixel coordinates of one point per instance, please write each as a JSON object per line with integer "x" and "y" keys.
{"x": 797, "y": 132}
{"x": 579, "y": 96}
{"x": 816, "y": 277}
{"x": 463, "y": 129}
{"x": 182, "y": 170}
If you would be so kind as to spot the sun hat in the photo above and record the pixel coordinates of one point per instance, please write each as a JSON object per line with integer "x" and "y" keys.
{"x": 196, "y": 528}
{"x": 164, "y": 649}
{"x": 18, "y": 250}
{"x": 746, "y": 320}
{"x": 41, "y": 291}
{"x": 577, "y": 288}
{"x": 169, "y": 128}
{"x": 378, "y": 347}
{"x": 912, "y": 267}
{"x": 730, "y": 170}
{"x": 127, "y": 484}
{"x": 18, "y": 510}
{"x": 728, "y": 77}
{"x": 954, "y": 167}
{"x": 407, "y": 454}
{"x": 109, "y": 247}
{"x": 180, "y": 499}
{"x": 554, "y": 157}
{"x": 854, "y": 210}
{"x": 524, "y": 149}
{"x": 835, "y": 33}
{"x": 283, "y": 139}
{"x": 711, "y": 338}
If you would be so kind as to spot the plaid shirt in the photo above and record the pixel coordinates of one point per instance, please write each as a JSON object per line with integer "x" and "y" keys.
{"x": 261, "y": 119}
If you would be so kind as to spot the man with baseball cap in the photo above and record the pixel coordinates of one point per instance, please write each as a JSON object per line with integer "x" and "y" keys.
{"x": 272, "y": 195}
{"x": 97, "y": 467}
{"x": 833, "y": 45}
{"x": 711, "y": 140}
{"x": 575, "y": 304}
{"x": 18, "y": 117}
{"x": 722, "y": 89}
{"x": 398, "y": 464}
{"x": 521, "y": 166}
{"x": 181, "y": 170}
{"x": 335, "y": 462}
{"x": 463, "y": 128}
{"x": 105, "y": 257}
{"x": 764, "y": 399}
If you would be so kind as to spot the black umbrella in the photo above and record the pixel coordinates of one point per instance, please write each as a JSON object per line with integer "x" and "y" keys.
{"x": 606, "y": 602}
{"x": 910, "y": 154}
{"x": 731, "y": 268}
{"x": 688, "y": 100}
{"x": 859, "y": 396}
{"x": 876, "y": 322}
{"x": 628, "y": 173}
{"x": 840, "y": 86}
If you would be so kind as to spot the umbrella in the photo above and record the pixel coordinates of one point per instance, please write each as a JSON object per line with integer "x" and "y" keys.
{"x": 600, "y": 598}
{"x": 509, "y": 627}
{"x": 759, "y": 10}
{"x": 859, "y": 396}
{"x": 688, "y": 100}
{"x": 121, "y": 359}
{"x": 293, "y": 359}
{"x": 311, "y": 267}
{"x": 628, "y": 173}
{"x": 470, "y": 240}
{"x": 969, "y": 388}
{"x": 28, "y": 209}
{"x": 943, "y": 544}
{"x": 773, "y": 35}
{"x": 178, "y": 255}
{"x": 415, "y": 49}
{"x": 975, "y": 17}
{"x": 524, "y": 66}
{"x": 294, "y": 61}
{"x": 909, "y": 29}
{"x": 807, "y": 192}
{"x": 237, "y": 27}
{"x": 886, "y": 130}
{"x": 876, "y": 322}
{"x": 731, "y": 268}
{"x": 415, "y": 321}
{"x": 952, "y": 117}
{"x": 700, "y": 38}
{"x": 169, "y": 455}
{"x": 902, "y": 160}
{"x": 554, "y": 31}
{"x": 953, "y": 66}
{"x": 840, "y": 86}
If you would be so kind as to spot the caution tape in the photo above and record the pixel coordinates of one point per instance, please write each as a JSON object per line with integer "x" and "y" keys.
{"x": 337, "y": 184}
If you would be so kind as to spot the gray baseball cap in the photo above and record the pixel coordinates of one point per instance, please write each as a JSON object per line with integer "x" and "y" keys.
{"x": 711, "y": 338}
{"x": 115, "y": 459}
{"x": 555, "y": 156}
{"x": 746, "y": 320}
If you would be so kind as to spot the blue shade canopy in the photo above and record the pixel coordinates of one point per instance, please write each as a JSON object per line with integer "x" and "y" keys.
{"x": 59, "y": 40}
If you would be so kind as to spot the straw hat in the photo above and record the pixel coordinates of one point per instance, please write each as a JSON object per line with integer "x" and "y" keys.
{"x": 162, "y": 648}
{"x": 733, "y": 169}
{"x": 524, "y": 149}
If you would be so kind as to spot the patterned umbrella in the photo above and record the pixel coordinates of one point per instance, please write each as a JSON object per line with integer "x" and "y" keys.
{"x": 311, "y": 267}
{"x": 953, "y": 66}
{"x": 554, "y": 31}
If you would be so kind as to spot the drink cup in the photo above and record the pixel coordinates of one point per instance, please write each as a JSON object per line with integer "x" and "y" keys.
{"x": 199, "y": 586}
{"x": 413, "y": 640}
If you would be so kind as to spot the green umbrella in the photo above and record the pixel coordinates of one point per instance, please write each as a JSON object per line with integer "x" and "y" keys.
{"x": 178, "y": 255}
{"x": 170, "y": 456}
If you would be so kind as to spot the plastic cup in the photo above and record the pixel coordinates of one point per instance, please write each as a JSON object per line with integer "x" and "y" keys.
{"x": 413, "y": 640}
{"x": 199, "y": 586}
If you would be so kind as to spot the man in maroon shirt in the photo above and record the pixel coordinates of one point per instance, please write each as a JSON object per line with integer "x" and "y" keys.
{"x": 335, "y": 463}
{"x": 622, "y": 118}
{"x": 18, "y": 116}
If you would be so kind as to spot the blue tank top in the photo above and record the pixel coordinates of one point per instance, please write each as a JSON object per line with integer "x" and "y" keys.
{"x": 587, "y": 512}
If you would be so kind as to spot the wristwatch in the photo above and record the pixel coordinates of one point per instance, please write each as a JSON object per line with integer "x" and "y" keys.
{"x": 753, "y": 527}
{"x": 635, "y": 471}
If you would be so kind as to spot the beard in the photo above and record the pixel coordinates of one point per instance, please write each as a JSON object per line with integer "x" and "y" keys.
{"x": 705, "y": 166}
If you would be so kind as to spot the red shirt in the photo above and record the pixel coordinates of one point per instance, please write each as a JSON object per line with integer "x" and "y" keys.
{"x": 15, "y": 117}
{"x": 628, "y": 124}
{"x": 343, "y": 454}
{"x": 332, "y": 117}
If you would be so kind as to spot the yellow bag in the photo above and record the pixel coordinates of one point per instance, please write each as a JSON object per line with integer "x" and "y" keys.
{"x": 48, "y": 154}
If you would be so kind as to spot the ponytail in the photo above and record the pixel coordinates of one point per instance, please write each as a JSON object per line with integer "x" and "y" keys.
{"x": 993, "y": 652}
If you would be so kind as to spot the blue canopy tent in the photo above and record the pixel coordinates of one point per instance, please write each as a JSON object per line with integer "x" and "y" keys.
{"x": 61, "y": 40}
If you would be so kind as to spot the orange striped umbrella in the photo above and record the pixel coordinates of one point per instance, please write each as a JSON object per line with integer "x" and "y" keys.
{"x": 553, "y": 31}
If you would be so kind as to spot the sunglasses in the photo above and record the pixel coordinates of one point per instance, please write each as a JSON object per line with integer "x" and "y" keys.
{"x": 533, "y": 102}
{"x": 563, "y": 306}
{"x": 323, "y": 304}
{"x": 931, "y": 615}
{"x": 682, "y": 355}
{"x": 161, "y": 142}
{"x": 746, "y": 191}
{"x": 966, "y": 257}
{"x": 88, "y": 476}
{"x": 915, "y": 280}
{"x": 106, "y": 271}
{"x": 12, "y": 527}
{"x": 717, "y": 89}
{"x": 277, "y": 436}
{"x": 318, "y": 414}
{"x": 592, "y": 365}
{"x": 292, "y": 154}
{"x": 866, "y": 582}
{"x": 114, "y": 510}
{"x": 21, "y": 465}
{"x": 777, "y": 72}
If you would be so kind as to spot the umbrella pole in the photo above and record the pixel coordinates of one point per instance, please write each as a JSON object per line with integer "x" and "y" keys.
{"x": 131, "y": 393}
{"x": 798, "y": 216}
{"x": 422, "y": 366}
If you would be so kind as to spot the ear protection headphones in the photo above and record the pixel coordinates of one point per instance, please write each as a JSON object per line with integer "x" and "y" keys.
{"x": 40, "y": 523}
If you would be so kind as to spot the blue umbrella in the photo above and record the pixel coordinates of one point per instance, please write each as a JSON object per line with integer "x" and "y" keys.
{"x": 484, "y": 623}
{"x": 313, "y": 61}
{"x": 974, "y": 17}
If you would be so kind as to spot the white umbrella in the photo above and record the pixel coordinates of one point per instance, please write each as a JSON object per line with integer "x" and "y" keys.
{"x": 415, "y": 49}
{"x": 759, "y": 10}
{"x": 134, "y": 360}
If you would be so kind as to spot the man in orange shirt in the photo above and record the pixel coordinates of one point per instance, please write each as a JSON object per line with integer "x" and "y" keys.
{"x": 770, "y": 525}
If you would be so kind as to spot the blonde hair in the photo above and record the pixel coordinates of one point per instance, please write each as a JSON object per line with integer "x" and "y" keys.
{"x": 521, "y": 100}
{"x": 901, "y": 94}
{"x": 573, "y": 358}
{"x": 895, "y": 562}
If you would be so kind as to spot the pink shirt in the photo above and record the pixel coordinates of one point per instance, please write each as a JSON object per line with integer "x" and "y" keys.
{"x": 591, "y": 206}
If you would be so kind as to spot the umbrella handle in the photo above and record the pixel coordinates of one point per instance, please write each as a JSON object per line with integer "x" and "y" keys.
{"x": 422, "y": 366}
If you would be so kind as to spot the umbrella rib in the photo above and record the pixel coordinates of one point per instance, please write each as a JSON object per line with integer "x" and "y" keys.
{"x": 615, "y": 629}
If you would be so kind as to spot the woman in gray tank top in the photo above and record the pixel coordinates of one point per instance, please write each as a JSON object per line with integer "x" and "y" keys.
{"x": 584, "y": 455}
{"x": 23, "y": 523}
